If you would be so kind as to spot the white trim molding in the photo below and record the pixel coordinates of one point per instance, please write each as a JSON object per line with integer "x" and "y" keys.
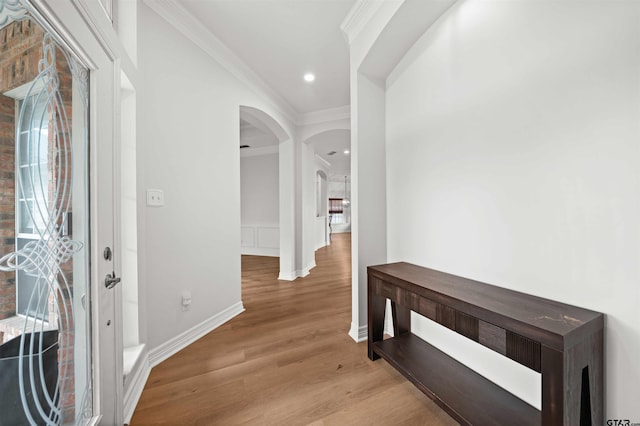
{"x": 148, "y": 360}
{"x": 287, "y": 276}
{"x": 260, "y": 240}
{"x": 298, "y": 273}
{"x": 181, "y": 341}
{"x": 322, "y": 161}
{"x": 256, "y": 152}
{"x": 358, "y": 16}
{"x": 306, "y": 271}
{"x": 139, "y": 377}
{"x": 359, "y": 334}
{"x": 325, "y": 115}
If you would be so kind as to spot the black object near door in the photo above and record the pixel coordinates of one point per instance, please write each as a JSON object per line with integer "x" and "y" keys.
{"x": 39, "y": 381}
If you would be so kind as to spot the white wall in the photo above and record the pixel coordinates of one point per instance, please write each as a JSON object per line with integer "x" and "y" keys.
{"x": 369, "y": 195}
{"x": 259, "y": 189}
{"x": 259, "y": 205}
{"x": 368, "y": 230}
{"x": 287, "y": 190}
{"x": 512, "y": 158}
{"x": 188, "y": 121}
{"x": 307, "y": 210}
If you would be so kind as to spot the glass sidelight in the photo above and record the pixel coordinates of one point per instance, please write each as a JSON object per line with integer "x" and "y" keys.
{"x": 45, "y": 344}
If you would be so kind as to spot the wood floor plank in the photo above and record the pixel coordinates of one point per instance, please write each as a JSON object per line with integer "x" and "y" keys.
{"x": 287, "y": 360}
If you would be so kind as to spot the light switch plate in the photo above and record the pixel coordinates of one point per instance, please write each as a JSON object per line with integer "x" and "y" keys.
{"x": 155, "y": 197}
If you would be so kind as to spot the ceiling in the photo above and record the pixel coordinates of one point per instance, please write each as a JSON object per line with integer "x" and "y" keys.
{"x": 336, "y": 142}
{"x": 330, "y": 145}
{"x": 255, "y": 134}
{"x": 281, "y": 40}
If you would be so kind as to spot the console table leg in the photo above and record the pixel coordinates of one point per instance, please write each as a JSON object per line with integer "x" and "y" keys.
{"x": 552, "y": 387}
{"x": 375, "y": 317}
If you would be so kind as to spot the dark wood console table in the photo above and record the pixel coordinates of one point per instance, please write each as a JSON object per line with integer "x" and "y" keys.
{"x": 564, "y": 343}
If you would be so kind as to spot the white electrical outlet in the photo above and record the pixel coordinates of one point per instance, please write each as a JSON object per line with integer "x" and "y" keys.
{"x": 155, "y": 197}
{"x": 186, "y": 300}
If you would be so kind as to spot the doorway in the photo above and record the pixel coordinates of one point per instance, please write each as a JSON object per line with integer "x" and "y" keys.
{"x": 273, "y": 139}
{"x": 259, "y": 188}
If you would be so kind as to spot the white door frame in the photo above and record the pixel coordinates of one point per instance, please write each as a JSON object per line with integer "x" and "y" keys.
{"x": 81, "y": 25}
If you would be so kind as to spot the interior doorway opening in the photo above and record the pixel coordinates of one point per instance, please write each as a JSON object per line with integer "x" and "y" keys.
{"x": 323, "y": 225}
{"x": 259, "y": 188}
{"x": 267, "y": 189}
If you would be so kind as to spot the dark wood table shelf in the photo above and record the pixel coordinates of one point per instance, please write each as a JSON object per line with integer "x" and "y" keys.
{"x": 448, "y": 383}
{"x": 562, "y": 342}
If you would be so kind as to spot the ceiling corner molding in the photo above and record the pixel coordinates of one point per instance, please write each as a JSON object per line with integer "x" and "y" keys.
{"x": 181, "y": 19}
{"x": 323, "y": 161}
{"x": 325, "y": 115}
{"x": 256, "y": 152}
{"x": 358, "y": 16}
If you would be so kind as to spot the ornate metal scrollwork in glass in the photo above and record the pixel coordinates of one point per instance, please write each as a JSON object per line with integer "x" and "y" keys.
{"x": 45, "y": 361}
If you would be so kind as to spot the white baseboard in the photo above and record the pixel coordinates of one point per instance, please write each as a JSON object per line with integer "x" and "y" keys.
{"x": 287, "y": 276}
{"x": 321, "y": 245}
{"x": 181, "y": 341}
{"x": 306, "y": 271}
{"x": 140, "y": 373}
{"x": 132, "y": 394}
{"x": 299, "y": 273}
{"x": 260, "y": 251}
{"x": 359, "y": 334}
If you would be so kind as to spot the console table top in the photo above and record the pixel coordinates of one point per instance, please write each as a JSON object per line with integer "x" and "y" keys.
{"x": 552, "y": 323}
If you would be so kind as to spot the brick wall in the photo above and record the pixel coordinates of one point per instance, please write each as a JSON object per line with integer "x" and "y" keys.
{"x": 20, "y": 52}
{"x": 7, "y": 205}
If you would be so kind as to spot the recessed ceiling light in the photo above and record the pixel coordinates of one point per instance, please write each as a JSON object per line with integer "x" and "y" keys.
{"x": 308, "y": 77}
{"x": 346, "y": 151}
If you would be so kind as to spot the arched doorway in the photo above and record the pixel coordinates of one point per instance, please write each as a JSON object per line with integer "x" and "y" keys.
{"x": 332, "y": 149}
{"x": 267, "y": 189}
{"x": 322, "y": 229}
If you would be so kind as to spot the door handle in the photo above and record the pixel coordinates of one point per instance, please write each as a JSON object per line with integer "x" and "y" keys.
{"x": 111, "y": 280}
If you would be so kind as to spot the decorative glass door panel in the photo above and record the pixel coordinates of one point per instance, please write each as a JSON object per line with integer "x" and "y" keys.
{"x": 45, "y": 351}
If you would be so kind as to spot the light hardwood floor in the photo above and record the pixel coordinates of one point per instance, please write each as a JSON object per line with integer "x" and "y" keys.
{"x": 287, "y": 360}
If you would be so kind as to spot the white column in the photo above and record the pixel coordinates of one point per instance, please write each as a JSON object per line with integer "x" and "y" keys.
{"x": 286, "y": 164}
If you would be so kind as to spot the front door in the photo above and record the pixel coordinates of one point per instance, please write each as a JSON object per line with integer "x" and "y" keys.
{"x": 58, "y": 344}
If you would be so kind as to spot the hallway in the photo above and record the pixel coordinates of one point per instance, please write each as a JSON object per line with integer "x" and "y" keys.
{"x": 287, "y": 360}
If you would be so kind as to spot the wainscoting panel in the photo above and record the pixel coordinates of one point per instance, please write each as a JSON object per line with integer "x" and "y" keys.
{"x": 268, "y": 237}
{"x": 260, "y": 240}
{"x": 247, "y": 236}
{"x": 321, "y": 232}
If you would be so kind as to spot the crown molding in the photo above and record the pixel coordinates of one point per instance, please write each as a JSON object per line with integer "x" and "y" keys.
{"x": 358, "y": 16}
{"x": 325, "y": 115}
{"x": 255, "y": 152}
{"x": 323, "y": 161}
{"x": 182, "y": 20}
